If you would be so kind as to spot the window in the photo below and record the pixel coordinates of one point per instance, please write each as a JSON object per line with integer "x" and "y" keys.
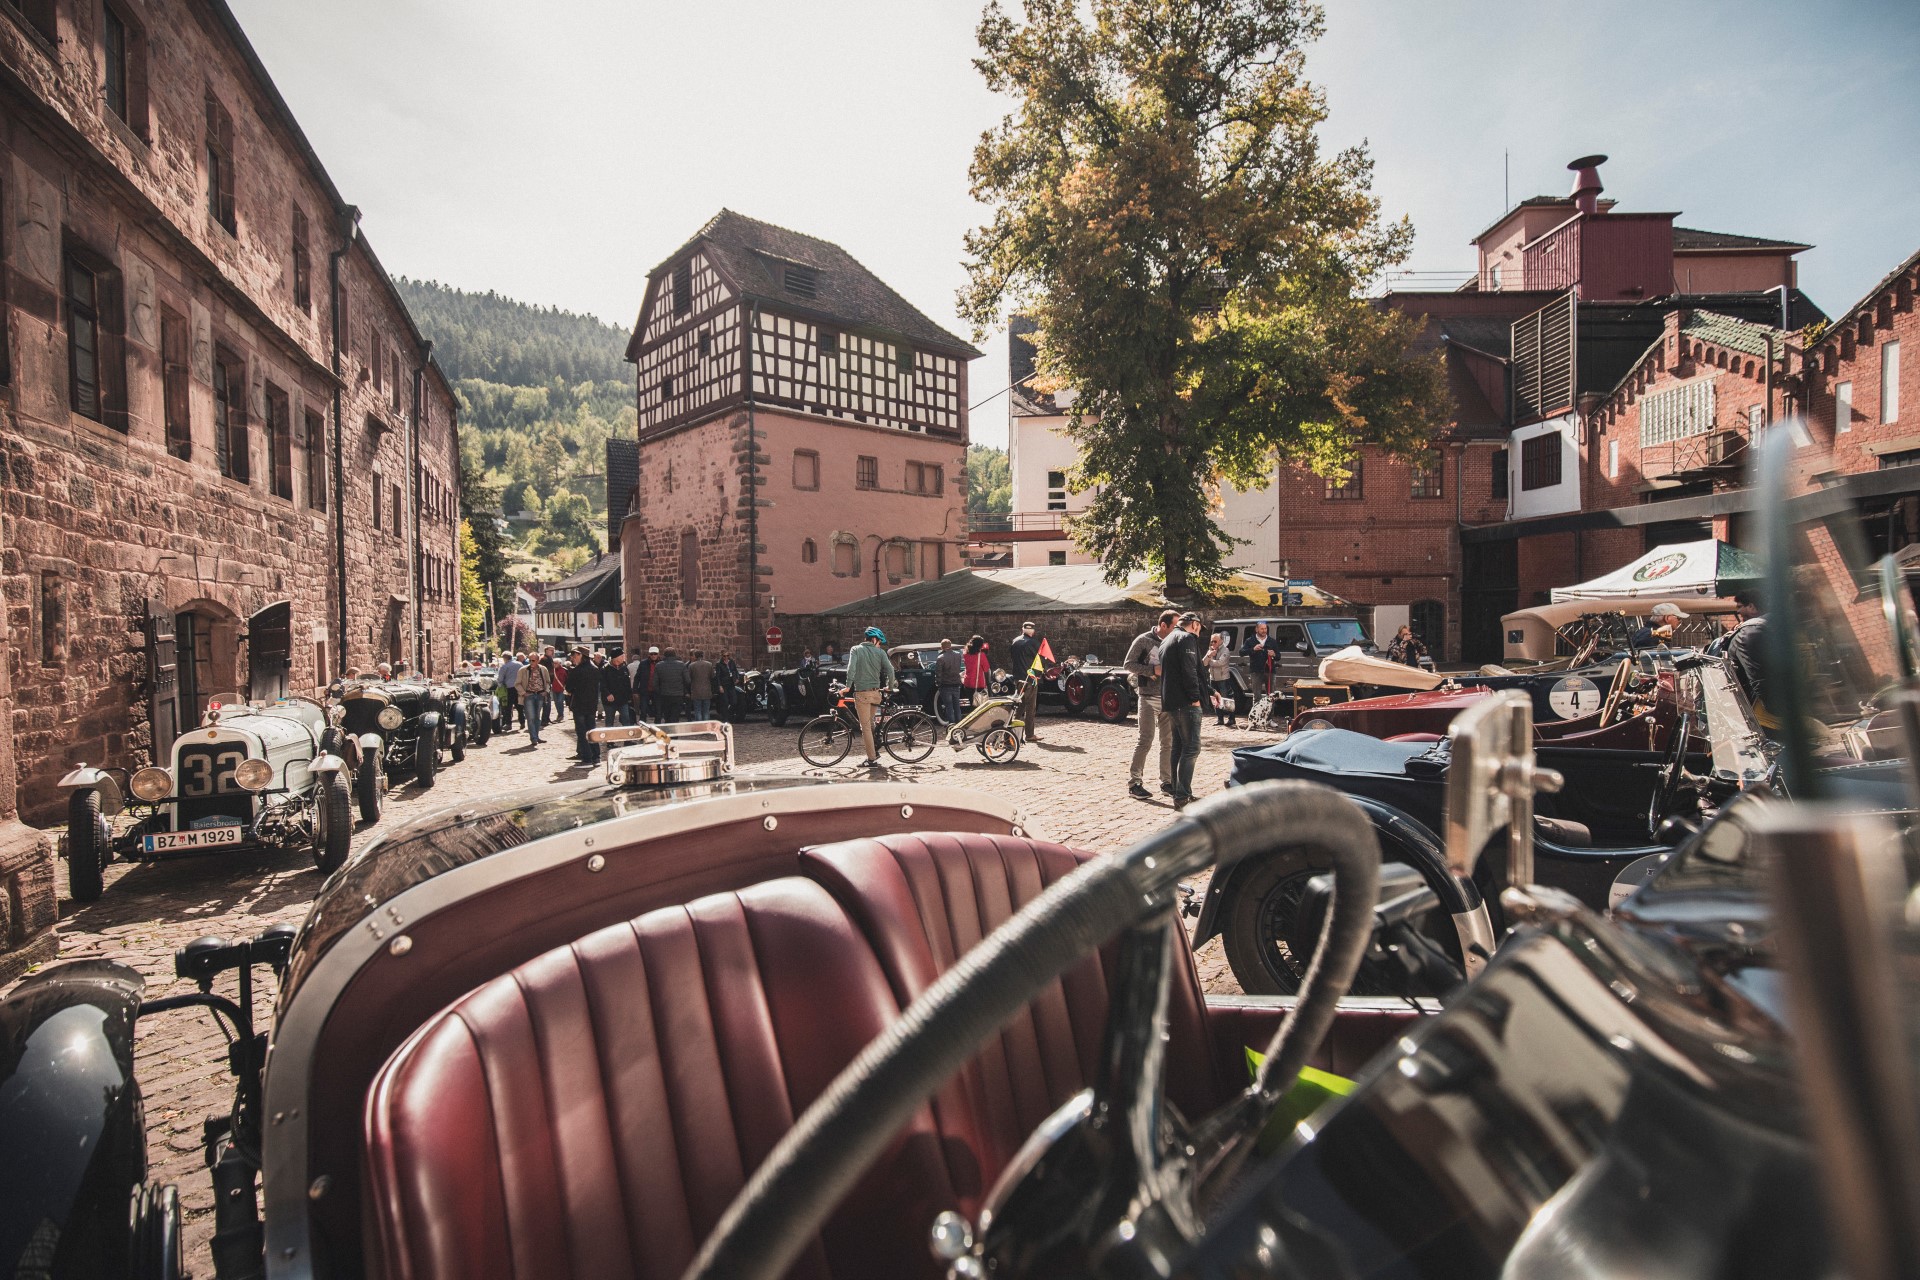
{"x": 689, "y": 567}
{"x": 53, "y": 619}
{"x": 829, "y": 343}
{"x": 846, "y": 558}
{"x": 173, "y": 376}
{"x": 393, "y": 498}
{"x": 866, "y": 472}
{"x": 343, "y": 317}
{"x": 6, "y": 346}
{"x": 113, "y": 42}
{"x": 683, "y": 288}
{"x": 933, "y": 559}
{"x": 924, "y": 477}
{"x": 808, "y": 552}
{"x": 220, "y": 165}
{"x": 1676, "y": 413}
{"x": 899, "y": 560}
{"x": 801, "y": 282}
{"x": 316, "y": 461}
{"x": 1756, "y": 420}
{"x": 1056, "y": 491}
{"x": 1613, "y": 459}
{"x": 379, "y": 502}
{"x": 704, "y": 344}
{"x": 393, "y": 378}
{"x": 1842, "y": 407}
{"x": 1056, "y": 557}
{"x": 1498, "y": 475}
{"x": 806, "y": 469}
{"x": 1351, "y": 490}
{"x": 280, "y": 441}
{"x": 39, "y": 16}
{"x": 1493, "y": 276}
{"x": 231, "y": 444}
{"x": 903, "y": 357}
{"x": 376, "y": 360}
{"x": 302, "y": 263}
{"x": 1890, "y": 381}
{"x": 1427, "y": 476}
{"x": 1540, "y": 461}
{"x": 666, "y": 389}
{"x": 83, "y": 340}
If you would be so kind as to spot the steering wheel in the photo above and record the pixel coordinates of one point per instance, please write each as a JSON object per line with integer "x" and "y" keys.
{"x": 1617, "y": 692}
{"x": 1127, "y": 1156}
{"x": 1673, "y": 769}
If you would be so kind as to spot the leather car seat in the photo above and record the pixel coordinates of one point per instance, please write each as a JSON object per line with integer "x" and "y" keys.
{"x": 923, "y": 901}
{"x": 591, "y": 1113}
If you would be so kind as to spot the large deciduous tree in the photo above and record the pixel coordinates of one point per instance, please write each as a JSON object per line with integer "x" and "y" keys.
{"x": 1196, "y": 265}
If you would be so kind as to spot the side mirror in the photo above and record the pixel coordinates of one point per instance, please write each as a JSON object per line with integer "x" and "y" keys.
{"x": 1301, "y": 646}
{"x": 202, "y": 958}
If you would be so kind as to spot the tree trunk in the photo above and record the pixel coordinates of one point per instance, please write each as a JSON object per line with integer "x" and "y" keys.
{"x": 1175, "y": 560}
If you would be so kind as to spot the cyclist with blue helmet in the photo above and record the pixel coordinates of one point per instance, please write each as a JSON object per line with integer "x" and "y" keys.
{"x": 869, "y": 678}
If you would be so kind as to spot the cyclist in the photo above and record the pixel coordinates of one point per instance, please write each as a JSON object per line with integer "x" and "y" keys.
{"x": 869, "y": 678}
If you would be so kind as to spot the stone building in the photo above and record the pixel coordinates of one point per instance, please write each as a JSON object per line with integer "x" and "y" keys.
{"x": 230, "y": 464}
{"x": 803, "y": 429}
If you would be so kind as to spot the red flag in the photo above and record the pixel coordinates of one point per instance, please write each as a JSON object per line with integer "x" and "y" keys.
{"x": 1046, "y": 650}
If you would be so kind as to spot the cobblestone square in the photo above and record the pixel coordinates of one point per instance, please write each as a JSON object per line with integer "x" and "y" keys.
{"x": 1071, "y": 784}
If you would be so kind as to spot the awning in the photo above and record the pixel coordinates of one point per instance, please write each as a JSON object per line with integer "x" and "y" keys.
{"x": 1705, "y": 569}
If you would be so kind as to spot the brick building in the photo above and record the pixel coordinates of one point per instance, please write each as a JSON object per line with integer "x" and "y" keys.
{"x": 230, "y": 462}
{"x": 803, "y": 429}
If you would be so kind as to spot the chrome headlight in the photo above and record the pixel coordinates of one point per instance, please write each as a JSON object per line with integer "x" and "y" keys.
{"x": 253, "y": 775}
{"x": 392, "y": 718}
{"x": 151, "y": 784}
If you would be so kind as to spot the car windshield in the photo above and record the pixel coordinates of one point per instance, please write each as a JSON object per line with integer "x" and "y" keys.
{"x": 1337, "y": 634}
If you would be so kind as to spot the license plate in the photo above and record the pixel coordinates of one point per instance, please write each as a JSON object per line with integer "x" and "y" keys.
{"x": 205, "y": 838}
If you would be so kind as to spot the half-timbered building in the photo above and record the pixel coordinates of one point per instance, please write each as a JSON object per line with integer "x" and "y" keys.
{"x": 803, "y": 433}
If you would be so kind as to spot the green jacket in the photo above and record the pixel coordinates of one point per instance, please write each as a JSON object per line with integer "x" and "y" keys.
{"x": 868, "y": 668}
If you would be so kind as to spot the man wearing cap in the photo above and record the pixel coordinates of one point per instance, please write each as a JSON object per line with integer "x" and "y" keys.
{"x": 1658, "y": 631}
{"x": 583, "y": 681}
{"x": 869, "y": 677}
{"x": 949, "y": 674}
{"x": 1183, "y": 692}
{"x": 646, "y": 693}
{"x": 616, "y": 689}
{"x": 1025, "y": 652}
{"x": 1143, "y": 664}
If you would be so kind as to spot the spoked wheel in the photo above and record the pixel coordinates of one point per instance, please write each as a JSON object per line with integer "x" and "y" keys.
{"x": 825, "y": 741}
{"x": 1000, "y": 746}
{"x": 909, "y": 736}
{"x": 366, "y": 787}
{"x": 333, "y": 823}
{"x": 1268, "y": 940}
{"x": 1112, "y": 704}
{"x": 1077, "y": 695}
{"x": 88, "y": 838}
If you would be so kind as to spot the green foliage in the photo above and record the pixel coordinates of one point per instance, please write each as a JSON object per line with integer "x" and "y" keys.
{"x": 1196, "y": 266}
{"x": 541, "y": 391}
{"x": 989, "y": 482}
{"x": 473, "y": 596}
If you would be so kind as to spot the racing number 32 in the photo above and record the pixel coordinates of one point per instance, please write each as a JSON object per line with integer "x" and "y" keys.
{"x": 204, "y": 775}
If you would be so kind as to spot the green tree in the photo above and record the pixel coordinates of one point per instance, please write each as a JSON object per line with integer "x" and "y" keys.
{"x": 989, "y": 482}
{"x": 473, "y": 595}
{"x": 480, "y": 513}
{"x": 1195, "y": 264}
{"x": 568, "y": 524}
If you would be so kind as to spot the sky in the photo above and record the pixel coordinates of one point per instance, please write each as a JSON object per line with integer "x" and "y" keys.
{"x": 556, "y": 152}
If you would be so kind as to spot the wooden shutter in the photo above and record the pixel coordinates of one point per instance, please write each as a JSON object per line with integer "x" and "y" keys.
{"x": 163, "y": 679}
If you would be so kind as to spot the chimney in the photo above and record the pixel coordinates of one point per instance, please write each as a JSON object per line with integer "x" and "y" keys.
{"x": 1586, "y": 183}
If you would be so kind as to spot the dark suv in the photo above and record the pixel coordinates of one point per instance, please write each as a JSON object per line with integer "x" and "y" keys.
{"x": 1299, "y": 645}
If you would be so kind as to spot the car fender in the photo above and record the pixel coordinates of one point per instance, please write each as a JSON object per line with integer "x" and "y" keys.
{"x": 85, "y": 777}
{"x": 327, "y": 762}
{"x": 371, "y": 743}
{"x": 429, "y": 719}
{"x": 70, "y": 1112}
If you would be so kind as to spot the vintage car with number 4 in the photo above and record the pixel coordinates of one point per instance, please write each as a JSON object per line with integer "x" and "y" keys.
{"x": 248, "y": 776}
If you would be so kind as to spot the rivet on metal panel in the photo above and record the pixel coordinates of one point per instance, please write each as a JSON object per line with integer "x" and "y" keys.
{"x": 400, "y": 945}
{"x": 1018, "y": 830}
{"x": 598, "y": 862}
{"x": 319, "y": 1187}
{"x": 770, "y": 822}
{"x": 906, "y": 811}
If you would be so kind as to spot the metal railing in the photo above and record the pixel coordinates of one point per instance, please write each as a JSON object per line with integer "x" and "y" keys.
{"x": 1018, "y": 522}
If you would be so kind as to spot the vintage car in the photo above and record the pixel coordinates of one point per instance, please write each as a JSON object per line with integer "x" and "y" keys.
{"x": 1088, "y": 684}
{"x": 1298, "y": 646}
{"x": 801, "y": 691}
{"x": 400, "y": 727}
{"x": 499, "y": 1048}
{"x": 479, "y": 704}
{"x": 246, "y": 777}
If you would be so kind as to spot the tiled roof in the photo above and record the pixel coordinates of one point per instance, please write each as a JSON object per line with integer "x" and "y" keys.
{"x": 585, "y": 578}
{"x": 752, "y": 256}
{"x": 623, "y": 477}
{"x": 1686, "y": 238}
{"x": 1734, "y": 335}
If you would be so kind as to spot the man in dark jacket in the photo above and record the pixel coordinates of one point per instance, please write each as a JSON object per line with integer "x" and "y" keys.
{"x": 1184, "y": 691}
{"x": 671, "y": 683}
{"x": 1023, "y": 651}
{"x": 1143, "y": 664}
{"x": 616, "y": 690}
{"x": 646, "y": 696}
{"x": 583, "y": 682}
{"x": 726, "y": 678}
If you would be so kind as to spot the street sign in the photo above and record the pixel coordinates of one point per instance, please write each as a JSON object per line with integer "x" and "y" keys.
{"x": 1293, "y": 600}
{"x": 773, "y": 639}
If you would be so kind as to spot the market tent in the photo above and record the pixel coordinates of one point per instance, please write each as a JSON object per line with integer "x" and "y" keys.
{"x": 1705, "y": 569}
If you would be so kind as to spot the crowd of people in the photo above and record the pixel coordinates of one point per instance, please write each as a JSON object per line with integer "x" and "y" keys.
{"x": 540, "y": 688}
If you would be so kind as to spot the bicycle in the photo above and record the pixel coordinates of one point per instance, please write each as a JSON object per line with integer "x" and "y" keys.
{"x": 908, "y": 734}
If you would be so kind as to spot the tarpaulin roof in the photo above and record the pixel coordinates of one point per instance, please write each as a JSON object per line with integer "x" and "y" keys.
{"x": 1705, "y": 568}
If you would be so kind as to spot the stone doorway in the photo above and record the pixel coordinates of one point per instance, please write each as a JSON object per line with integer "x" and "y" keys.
{"x": 269, "y": 652}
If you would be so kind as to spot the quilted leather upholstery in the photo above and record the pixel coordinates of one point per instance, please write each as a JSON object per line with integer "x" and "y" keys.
{"x": 592, "y": 1113}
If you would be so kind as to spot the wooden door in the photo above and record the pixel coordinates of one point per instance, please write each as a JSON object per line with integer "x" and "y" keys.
{"x": 269, "y": 652}
{"x": 163, "y": 680}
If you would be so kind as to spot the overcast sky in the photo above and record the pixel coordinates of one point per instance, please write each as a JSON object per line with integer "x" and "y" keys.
{"x": 556, "y": 151}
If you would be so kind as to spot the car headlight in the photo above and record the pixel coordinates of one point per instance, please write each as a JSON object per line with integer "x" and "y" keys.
{"x": 336, "y": 714}
{"x": 151, "y": 784}
{"x": 253, "y": 775}
{"x": 392, "y": 718}
{"x": 1315, "y": 723}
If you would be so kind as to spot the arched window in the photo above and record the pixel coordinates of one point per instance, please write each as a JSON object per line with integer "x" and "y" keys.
{"x": 808, "y": 552}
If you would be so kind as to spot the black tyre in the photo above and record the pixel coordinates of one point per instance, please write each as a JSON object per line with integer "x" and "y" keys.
{"x": 777, "y": 706}
{"x": 332, "y": 823}
{"x": 426, "y": 759}
{"x": 1113, "y": 703}
{"x": 825, "y": 741}
{"x": 1078, "y": 694}
{"x": 87, "y": 846}
{"x": 910, "y": 736}
{"x": 366, "y": 787}
{"x": 459, "y": 748}
{"x": 482, "y": 729}
{"x": 1000, "y": 746}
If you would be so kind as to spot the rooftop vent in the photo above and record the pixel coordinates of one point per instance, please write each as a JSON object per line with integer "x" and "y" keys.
{"x": 1586, "y": 183}
{"x": 801, "y": 282}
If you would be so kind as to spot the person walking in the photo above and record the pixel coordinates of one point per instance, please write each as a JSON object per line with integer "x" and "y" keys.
{"x": 534, "y": 684}
{"x": 557, "y": 679}
{"x": 1027, "y": 650}
{"x": 870, "y": 677}
{"x": 1219, "y": 662}
{"x": 616, "y": 690}
{"x": 1406, "y": 648}
{"x": 670, "y": 677}
{"x": 583, "y": 677}
{"x": 979, "y": 671}
{"x": 700, "y": 685}
{"x": 949, "y": 677}
{"x": 506, "y": 680}
{"x": 646, "y": 686}
{"x": 1143, "y": 665}
{"x": 1183, "y": 692}
{"x": 726, "y": 684}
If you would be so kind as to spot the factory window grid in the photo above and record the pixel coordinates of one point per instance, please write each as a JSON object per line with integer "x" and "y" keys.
{"x": 1352, "y": 489}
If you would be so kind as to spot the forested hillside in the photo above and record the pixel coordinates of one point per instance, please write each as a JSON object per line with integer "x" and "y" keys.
{"x": 540, "y": 392}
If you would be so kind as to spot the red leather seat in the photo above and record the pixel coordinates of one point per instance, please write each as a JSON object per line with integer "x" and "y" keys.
{"x": 592, "y": 1112}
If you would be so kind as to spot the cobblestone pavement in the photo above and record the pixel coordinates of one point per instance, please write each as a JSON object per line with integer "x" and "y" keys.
{"x": 1071, "y": 785}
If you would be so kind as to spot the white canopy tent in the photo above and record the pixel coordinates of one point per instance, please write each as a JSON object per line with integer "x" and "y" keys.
{"x": 1704, "y": 570}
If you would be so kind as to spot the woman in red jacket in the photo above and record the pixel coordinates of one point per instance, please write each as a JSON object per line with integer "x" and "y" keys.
{"x": 979, "y": 670}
